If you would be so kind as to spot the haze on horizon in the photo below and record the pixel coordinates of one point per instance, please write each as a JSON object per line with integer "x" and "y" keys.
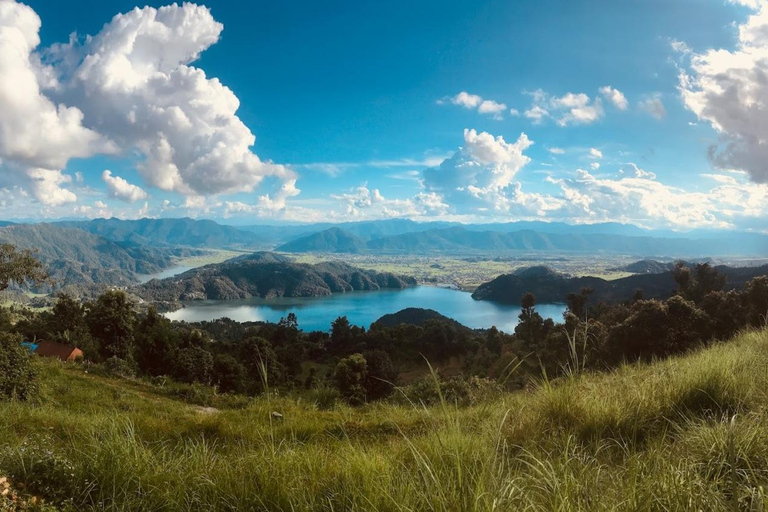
{"x": 646, "y": 113}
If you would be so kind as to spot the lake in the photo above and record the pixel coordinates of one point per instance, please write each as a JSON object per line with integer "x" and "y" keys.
{"x": 169, "y": 272}
{"x": 363, "y": 308}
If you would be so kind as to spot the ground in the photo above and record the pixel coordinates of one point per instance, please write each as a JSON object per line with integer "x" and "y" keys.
{"x": 688, "y": 433}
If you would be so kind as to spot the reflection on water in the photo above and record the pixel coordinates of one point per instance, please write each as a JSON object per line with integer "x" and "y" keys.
{"x": 169, "y": 272}
{"x": 363, "y": 308}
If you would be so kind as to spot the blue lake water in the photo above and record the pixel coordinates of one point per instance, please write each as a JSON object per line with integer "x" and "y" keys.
{"x": 363, "y": 308}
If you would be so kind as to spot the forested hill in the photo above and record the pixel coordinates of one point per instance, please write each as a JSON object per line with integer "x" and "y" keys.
{"x": 75, "y": 257}
{"x": 184, "y": 231}
{"x": 268, "y": 275}
{"x": 458, "y": 239}
{"x": 550, "y": 286}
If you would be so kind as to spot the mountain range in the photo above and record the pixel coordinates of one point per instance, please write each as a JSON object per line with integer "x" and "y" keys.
{"x": 461, "y": 240}
{"x": 76, "y": 257}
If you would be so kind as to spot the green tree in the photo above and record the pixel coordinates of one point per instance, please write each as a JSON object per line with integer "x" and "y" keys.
{"x": 228, "y": 374}
{"x": 194, "y": 364}
{"x": 156, "y": 344}
{"x": 350, "y": 376}
{"x": 382, "y": 374}
{"x": 756, "y": 293}
{"x": 111, "y": 320}
{"x": 20, "y": 267}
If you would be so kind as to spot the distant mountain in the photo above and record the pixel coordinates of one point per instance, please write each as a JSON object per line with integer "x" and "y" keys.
{"x": 184, "y": 231}
{"x": 267, "y": 275}
{"x": 550, "y": 286}
{"x": 330, "y": 240}
{"x": 76, "y": 257}
{"x": 460, "y": 240}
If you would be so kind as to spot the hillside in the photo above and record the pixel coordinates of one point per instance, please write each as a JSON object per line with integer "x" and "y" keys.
{"x": 686, "y": 433}
{"x": 549, "y": 286}
{"x": 183, "y": 232}
{"x": 76, "y": 257}
{"x": 329, "y": 240}
{"x": 464, "y": 240}
{"x": 267, "y": 275}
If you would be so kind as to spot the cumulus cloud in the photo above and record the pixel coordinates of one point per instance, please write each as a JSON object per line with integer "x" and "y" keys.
{"x": 569, "y": 109}
{"x": 653, "y": 106}
{"x": 615, "y": 96}
{"x": 728, "y": 89}
{"x": 595, "y": 153}
{"x": 639, "y": 198}
{"x": 483, "y": 106}
{"x": 479, "y": 173}
{"x": 37, "y": 136}
{"x": 120, "y": 188}
{"x": 130, "y": 86}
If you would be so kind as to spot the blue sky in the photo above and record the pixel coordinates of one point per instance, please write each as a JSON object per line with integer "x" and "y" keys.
{"x": 350, "y": 102}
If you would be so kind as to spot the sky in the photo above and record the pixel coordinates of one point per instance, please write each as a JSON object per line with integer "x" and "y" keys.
{"x": 648, "y": 112}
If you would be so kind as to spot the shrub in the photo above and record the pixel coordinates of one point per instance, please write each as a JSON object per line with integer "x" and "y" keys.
{"x": 350, "y": 376}
{"x": 18, "y": 380}
{"x": 119, "y": 367}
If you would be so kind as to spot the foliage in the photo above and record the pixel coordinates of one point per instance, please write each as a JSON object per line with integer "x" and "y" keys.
{"x": 18, "y": 380}
{"x": 351, "y": 375}
{"x": 20, "y": 267}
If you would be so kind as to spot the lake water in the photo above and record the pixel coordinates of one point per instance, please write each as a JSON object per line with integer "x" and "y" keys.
{"x": 169, "y": 272}
{"x": 363, "y": 308}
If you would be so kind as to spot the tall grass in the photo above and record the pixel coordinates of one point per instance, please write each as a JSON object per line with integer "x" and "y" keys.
{"x": 688, "y": 433}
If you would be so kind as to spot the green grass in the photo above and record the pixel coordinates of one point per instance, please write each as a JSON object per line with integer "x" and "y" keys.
{"x": 688, "y": 433}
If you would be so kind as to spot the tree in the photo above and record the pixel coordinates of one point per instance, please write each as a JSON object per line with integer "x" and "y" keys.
{"x": 111, "y": 320}
{"x": 694, "y": 284}
{"x": 228, "y": 374}
{"x": 156, "y": 344}
{"x": 350, "y": 375}
{"x": 19, "y": 267}
{"x": 68, "y": 315}
{"x": 382, "y": 374}
{"x": 756, "y": 293}
{"x": 530, "y": 328}
{"x": 194, "y": 364}
{"x": 577, "y": 302}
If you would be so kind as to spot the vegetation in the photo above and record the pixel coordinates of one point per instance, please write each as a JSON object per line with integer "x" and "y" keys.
{"x": 268, "y": 275}
{"x": 550, "y": 286}
{"x": 633, "y": 405}
{"x": 687, "y": 433}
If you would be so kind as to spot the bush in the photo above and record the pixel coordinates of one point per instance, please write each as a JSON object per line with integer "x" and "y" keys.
{"x": 119, "y": 367}
{"x": 18, "y": 380}
{"x": 455, "y": 390}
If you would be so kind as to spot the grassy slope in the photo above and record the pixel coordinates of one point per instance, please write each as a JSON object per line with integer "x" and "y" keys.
{"x": 689, "y": 433}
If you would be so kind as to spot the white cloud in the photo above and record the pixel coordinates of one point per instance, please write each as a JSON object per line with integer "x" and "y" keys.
{"x": 615, "y": 96}
{"x": 536, "y": 113}
{"x": 479, "y": 173}
{"x": 569, "y": 109}
{"x": 131, "y": 86}
{"x": 728, "y": 89}
{"x": 514, "y": 112}
{"x": 556, "y": 151}
{"x": 653, "y": 106}
{"x": 595, "y": 153}
{"x": 472, "y": 101}
{"x": 466, "y": 100}
{"x": 37, "y": 136}
{"x": 595, "y": 166}
{"x": 119, "y": 188}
